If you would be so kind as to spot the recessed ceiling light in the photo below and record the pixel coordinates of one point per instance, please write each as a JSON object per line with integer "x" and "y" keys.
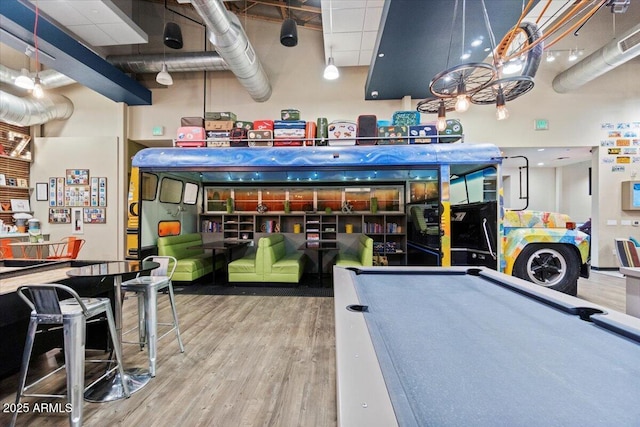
{"x": 487, "y": 49}
{"x": 540, "y": 149}
{"x": 540, "y": 164}
{"x": 465, "y": 55}
{"x": 477, "y": 42}
{"x": 380, "y": 55}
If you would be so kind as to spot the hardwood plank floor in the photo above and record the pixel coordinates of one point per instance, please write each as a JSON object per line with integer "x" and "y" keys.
{"x": 248, "y": 361}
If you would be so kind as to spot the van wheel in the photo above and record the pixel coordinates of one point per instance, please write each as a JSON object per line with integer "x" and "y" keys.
{"x": 555, "y": 267}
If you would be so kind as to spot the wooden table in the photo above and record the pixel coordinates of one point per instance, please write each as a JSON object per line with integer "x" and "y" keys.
{"x": 320, "y": 247}
{"x": 222, "y": 246}
{"x": 39, "y": 247}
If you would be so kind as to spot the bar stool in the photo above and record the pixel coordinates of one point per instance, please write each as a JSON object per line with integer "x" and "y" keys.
{"x": 146, "y": 288}
{"x": 72, "y": 314}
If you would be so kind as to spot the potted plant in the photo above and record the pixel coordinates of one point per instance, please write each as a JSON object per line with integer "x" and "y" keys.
{"x": 287, "y": 207}
{"x": 374, "y": 205}
{"x": 230, "y": 205}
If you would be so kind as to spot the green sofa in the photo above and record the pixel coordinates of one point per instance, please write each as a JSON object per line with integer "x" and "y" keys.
{"x": 364, "y": 256}
{"x": 269, "y": 263}
{"x": 193, "y": 262}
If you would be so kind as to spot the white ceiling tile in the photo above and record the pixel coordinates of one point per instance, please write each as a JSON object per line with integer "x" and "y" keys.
{"x": 97, "y": 12}
{"x": 347, "y": 41}
{"x": 121, "y": 33}
{"x": 368, "y": 40}
{"x": 372, "y": 18}
{"x": 365, "y": 57}
{"x": 92, "y": 35}
{"x": 348, "y": 20}
{"x": 346, "y": 58}
{"x": 61, "y": 11}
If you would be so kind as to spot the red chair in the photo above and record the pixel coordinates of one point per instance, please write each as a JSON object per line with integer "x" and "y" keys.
{"x": 6, "y": 251}
{"x": 73, "y": 247}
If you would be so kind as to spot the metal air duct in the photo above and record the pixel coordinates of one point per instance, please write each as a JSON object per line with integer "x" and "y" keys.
{"x": 29, "y": 111}
{"x": 182, "y": 62}
{"x": 50, "y": 79}
{"x": 231, "y": 42}
{"x": 608, "y": 57}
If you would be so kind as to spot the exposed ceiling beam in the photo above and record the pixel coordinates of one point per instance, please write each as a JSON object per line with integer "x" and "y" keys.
{"x": 62, "y": 53}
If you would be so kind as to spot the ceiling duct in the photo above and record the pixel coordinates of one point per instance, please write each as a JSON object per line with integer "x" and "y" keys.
{"x": 30, "y": 111}
{"x": 50, "y": 79}
{"x": 231, "y": 42}
{"x": 182, "y": 62}
{"x": 608, "y": 57}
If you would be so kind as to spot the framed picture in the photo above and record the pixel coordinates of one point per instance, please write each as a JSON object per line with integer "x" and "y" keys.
{"x": 95, "y": 215}
{"x": 77, "y": 176}
{"x": 20, "y": 205}
{"x": 3, "y": 179}
{"x": 11, "y": 182}
{"x": 22, "y": 182}
{"x": 42, "y": 191}
{"x": 59, "y": 215}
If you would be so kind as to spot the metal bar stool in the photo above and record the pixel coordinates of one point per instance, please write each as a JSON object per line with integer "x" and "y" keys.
{"x": 146, "y": 288}
{"x": 72, "y": 314}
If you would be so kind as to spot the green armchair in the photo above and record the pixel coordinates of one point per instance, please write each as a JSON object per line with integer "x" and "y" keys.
{"x": 362, "y": 258}
{"x": 193, "y": 262}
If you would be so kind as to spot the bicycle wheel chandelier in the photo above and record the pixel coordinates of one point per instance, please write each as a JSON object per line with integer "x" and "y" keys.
{"x": 476, "y": 82}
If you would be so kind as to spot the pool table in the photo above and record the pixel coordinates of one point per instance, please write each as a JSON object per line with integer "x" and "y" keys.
{"x": 420, "y": 346}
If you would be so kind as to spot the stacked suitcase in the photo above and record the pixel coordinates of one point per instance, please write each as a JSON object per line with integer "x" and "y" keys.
{"x": 289, "y": 133}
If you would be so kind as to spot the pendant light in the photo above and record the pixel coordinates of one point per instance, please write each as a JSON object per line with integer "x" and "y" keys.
{"x": 441, "y": 122}
{"x": 331, "y": 71}
{"x": 174, "y": 39}
{"x": 163, "y": 77}
{"x": 24, "y": 81}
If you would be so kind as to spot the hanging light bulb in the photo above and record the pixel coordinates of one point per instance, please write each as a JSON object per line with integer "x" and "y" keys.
{"x": 24, "y": 81}
{"x": 573, "y": 55}
{"x": 501, "y": 110}
{"x": 331, "y": 71}
{"x": 441, "y": 123}
{"x": 462, "y": 101}
{"x": 38, "y": 92}
{"x": 163, "y": 77}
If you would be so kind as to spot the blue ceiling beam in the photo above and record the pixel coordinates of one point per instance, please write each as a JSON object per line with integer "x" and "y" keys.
{"x": 61, "y": 52}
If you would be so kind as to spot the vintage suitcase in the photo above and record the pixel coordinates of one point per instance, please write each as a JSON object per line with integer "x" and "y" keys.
{"x": 260, "y": 138}
{"x": 245, "y": 125}
{"x": 289, "y": 133}
{"x": 220, "y": 115}
{"x": 342, "y": 132}
{"x": 452, "y": 133}
{"x": 192, "y": 121}
{"x": 238, "y": 137}
{"x": 310, "y": 133}
{"x": 290, "y": 114}
{"x": 393, "y": 135}
{"x": 322, "y": 131}
{"x": 263, "y": 125}
{"x": 419, "y": 134}
{"x": 405, "y": 118}
{"x": 283, "y": 142}
{"x": 218, "y": 138}
{"x": 219, "y": 142}
{"x": 190, "y": 143}
{"x": 219, "y": 125}
{"x": 191, "y": 133}
{"x": 367, "y": 129}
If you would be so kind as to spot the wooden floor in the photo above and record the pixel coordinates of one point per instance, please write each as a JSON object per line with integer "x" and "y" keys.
{"x": 249, "y": 361}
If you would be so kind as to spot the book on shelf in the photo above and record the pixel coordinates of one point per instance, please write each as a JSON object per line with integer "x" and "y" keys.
{"x": 313, "y": 236}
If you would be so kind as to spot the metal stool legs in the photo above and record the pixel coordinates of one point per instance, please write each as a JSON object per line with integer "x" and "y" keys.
{"x": 148, "y": 322}
{"x": 72, "y": 314}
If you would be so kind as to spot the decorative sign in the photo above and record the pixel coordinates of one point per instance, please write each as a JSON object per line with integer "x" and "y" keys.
{"x": 77, "y": 176}
{"x": 59, "y": 215}
{"x": 98, "y": 191}
{"x": 95, "y": 215}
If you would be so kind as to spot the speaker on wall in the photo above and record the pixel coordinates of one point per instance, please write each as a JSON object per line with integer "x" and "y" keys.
{"x": 289, "y": 33}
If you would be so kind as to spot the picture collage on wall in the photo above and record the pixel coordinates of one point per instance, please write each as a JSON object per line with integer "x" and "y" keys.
{"x": 79, "y": 192}
{"x": 620, "y": 147}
